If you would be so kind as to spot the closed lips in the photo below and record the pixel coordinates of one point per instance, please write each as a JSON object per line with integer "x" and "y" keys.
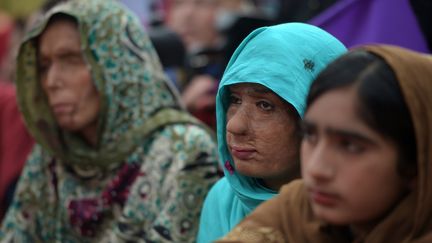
{"x": 241, "y": 152}
{"x": 62, "y": 108}
{"x": 322, "y": 197}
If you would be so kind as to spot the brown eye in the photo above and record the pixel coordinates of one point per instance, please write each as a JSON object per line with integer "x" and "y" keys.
{"x": 74, "y": 59}
{"x": 264, "y": 105}
{"x": 350, "y": 145}
{"x": 42, "y": 70}
{"x": 233, "y": 99}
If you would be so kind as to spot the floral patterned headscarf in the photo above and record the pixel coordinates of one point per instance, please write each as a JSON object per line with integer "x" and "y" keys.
{"x": 130, "y": 93}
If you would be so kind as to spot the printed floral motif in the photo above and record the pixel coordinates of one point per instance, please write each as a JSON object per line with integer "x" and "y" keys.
{"x": 86, "y": 214}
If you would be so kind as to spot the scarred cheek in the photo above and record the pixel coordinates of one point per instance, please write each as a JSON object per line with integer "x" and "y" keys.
{"x": 270, "y": 142}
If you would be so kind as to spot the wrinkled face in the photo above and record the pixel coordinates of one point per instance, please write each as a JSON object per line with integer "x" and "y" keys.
{"x": 66, "y": 79}
{"x": 349, "y": 169}
{"x": 194, "y": 21}
{"x": 260, "y": 134}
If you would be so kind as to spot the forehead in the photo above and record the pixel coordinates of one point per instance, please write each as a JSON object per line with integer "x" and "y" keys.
{"x": 249, "y": 88}
{"x": 339, "y": 104}
{"x": 59, "y": 31}
{"x": 59, "y": 22}
{"x": 338, "y": 110}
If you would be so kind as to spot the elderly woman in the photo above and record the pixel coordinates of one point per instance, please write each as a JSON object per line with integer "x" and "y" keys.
{"x": 366, "y": 157}
{"x": 260, "y": 102}
{"x": 117, "y": 159}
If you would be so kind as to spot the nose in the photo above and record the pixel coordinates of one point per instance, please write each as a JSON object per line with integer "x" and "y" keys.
{"x": 317, "y": 162}
{"x": 52, "y": 77}
{"x": 237, "y": 121}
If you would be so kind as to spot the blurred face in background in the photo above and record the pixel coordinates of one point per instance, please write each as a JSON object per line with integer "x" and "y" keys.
{"x": 66, "y": 79}
{"x": 195, "y": 20}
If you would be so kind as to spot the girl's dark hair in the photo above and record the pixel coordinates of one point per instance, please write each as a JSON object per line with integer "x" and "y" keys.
{"x": 381, "y": 103}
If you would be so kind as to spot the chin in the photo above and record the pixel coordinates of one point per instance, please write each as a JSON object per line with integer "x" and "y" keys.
{"x": 250, "y": 173}
{"x": 331, "y": 218}
{"x": 245, "y": 171}
{"x": 68, "y": 126}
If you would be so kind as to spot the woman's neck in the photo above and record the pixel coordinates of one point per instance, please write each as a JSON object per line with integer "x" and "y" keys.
{"x": 276, "y": 183}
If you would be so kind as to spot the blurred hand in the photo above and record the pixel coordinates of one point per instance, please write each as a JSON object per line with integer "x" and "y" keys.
{"x": 200, "y": 93}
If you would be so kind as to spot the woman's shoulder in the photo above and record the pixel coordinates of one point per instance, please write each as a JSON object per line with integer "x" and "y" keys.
{"x": 293, "y": 192}
{"x": 188, "y": 139}
{"x": 183, "y": 148}
{"x": 222, "y": 186}
{"x": 294, "y": 186}
{"x": 189, "y": 133}
{"x": 220, "y": 194}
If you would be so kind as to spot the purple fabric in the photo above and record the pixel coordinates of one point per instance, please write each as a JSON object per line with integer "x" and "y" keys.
{"x": 356, "y": 22}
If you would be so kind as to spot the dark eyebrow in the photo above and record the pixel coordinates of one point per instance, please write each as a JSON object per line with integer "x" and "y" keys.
{"x": 306, "y": 124}
{"x": 350, "y": 134}
{"x": 338, "y": 132}
{"x": 63, "y": 54}
{"x": 255, "y": 89}
{"x": 262, "y": 90}
{"x": 68, "y": 53}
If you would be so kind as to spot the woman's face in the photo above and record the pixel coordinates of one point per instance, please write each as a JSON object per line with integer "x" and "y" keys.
{"x": 66, "y": 79}
{"x": 261, "y": 134}
{"x": 350, "y": 170}
{"x": 194, "y": 21}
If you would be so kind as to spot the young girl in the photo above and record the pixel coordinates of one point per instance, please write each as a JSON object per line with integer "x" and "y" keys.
{"x": 366, "y": 156}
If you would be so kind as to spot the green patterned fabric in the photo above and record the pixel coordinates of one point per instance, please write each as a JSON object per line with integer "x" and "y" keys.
{"x": 153, "y": 164}
{"x": 125, "y": 69}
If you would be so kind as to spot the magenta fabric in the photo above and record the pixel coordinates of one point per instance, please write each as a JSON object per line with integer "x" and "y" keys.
{"x": 15, "y": 141}
{"x": 5, "y": 35}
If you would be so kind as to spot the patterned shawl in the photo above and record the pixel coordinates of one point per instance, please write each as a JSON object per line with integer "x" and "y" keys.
{"x": 153, "y": 163}
{"x": 289, "y": 218}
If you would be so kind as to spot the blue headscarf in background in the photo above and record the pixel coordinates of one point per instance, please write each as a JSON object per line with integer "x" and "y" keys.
{"x": 284, "y": 58}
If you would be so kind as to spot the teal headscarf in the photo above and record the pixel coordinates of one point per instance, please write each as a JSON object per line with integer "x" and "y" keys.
{"x": 284, "y": 58}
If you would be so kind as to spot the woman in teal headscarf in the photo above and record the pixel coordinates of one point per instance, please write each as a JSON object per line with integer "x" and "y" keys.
{"x": 260, "y": 101}
{"x": 117, "y": 158}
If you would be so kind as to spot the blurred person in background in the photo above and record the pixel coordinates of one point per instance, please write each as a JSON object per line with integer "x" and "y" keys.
{"x": 200, "y": 25}
{"x": 15, "y": 141}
